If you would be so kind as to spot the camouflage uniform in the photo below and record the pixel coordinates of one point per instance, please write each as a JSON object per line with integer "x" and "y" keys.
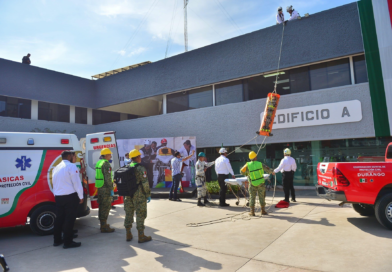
{"x": 104, "y": 197}
{"x": 254, "y": 190}
{"x": 201, "y": 177}
{"x": 139, "y": 200}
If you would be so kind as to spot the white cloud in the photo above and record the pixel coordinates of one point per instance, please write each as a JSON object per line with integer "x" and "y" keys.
{"x": 121, "y": 52}
{"x": 137, "y": 51}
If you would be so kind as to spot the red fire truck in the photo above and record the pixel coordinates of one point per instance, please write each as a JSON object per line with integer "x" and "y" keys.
{"x": 366, "y": 185}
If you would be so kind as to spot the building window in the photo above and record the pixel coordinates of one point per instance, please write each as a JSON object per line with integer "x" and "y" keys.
{"x": 231, "y": 92}
{"x": 53, "y": 112}
{"x": 15, "y": 107}
{"x": 258, "y": 87}
{"x": 194, "y": 99}
{"x": 330, "y": 74}
{"x": 80, "y": 115}
{"x": 299, "y": 80}
{"x": 360, "y": 71}
{"x": 103, "y": 117}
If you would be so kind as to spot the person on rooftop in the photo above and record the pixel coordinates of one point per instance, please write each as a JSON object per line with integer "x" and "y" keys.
{"x": 293, "y": 13}
{"x": 279, "y": 16}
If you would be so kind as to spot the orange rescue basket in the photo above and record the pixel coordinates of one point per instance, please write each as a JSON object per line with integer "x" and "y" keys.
{"x": 269, "y": 114}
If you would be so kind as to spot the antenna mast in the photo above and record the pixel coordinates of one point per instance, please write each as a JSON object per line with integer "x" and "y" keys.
{"x": 185, "y": 25}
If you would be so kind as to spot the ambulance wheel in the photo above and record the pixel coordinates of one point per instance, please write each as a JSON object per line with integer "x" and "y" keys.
{"x": 247, "y": 204}
{"x": 236, "y": 203}
{"x": 42, "y": 220}
{"x": 363, "y": 209}
{"x": 383, "y": 211}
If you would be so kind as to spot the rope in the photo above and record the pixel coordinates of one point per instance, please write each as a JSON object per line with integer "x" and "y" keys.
{"x": 234, "y": 218}
{"x": 280, "y": 54}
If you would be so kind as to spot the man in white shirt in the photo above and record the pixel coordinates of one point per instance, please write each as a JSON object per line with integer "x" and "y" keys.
{"x": 287, "y": 166}
{"x": 293, "y": 13}
{"x": 68, "y": 193}
{"x": 279, "y": 16}
{"x": 223, "y": 169}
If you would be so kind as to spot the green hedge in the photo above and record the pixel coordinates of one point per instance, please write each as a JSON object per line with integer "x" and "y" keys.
{"x": 213, "y": 188}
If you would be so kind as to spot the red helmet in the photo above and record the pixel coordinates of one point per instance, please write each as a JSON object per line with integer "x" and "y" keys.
{"x": 163, "y": 141}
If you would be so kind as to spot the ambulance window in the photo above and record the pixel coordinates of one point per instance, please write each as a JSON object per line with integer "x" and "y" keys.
{"x": 94, "y": 155}
{"x": 389, "y": 152}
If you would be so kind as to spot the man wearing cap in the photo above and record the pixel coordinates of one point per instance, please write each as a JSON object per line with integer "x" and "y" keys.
{"x": 68, "y": 194}
{"x": 147, "y": 156}
{"x": 185, "y": 151}
{"x": 223, "y": 169}
{"x": 255, "y": 171}
{"x": 201, "y": 167}
{"x": 288, "y": 167}
{"x": 137, "y": 202}
{"x": 104, "y": 183}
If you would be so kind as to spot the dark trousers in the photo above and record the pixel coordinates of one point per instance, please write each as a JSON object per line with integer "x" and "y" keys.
{"x": 288, "y": 185}
{"x": 176, "y": 182}
{"x": 67, "y": 208}
{"x": 223, "y": 188}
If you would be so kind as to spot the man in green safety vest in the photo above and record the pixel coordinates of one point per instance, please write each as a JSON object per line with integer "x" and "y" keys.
{"x": 104, "y": 183}
{"x": 255, "y": 172}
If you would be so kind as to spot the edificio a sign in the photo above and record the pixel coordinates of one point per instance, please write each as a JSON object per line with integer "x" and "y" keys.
{"x": 316, "y": 115}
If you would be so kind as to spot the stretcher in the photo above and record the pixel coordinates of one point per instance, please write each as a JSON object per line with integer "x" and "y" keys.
{"x": 243, "y": 184}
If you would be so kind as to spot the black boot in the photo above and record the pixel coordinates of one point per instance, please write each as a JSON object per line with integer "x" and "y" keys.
{"x": 199, "y": 203}
{"x": 206, "y": 200}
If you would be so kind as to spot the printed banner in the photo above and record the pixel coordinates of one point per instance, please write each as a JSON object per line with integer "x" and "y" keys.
{"x": 157, "y": 154}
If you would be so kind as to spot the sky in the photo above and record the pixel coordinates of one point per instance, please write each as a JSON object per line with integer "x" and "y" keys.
{"x": 88, "y": 37}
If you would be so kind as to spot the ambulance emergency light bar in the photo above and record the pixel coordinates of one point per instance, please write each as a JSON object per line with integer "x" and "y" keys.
{"x": 269, "y": 114}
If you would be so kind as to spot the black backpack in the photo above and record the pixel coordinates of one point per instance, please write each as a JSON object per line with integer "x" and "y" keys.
{"x": 125, "y": 179}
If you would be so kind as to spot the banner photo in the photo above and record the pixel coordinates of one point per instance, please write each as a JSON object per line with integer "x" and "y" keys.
{"x": 157, "y": 154}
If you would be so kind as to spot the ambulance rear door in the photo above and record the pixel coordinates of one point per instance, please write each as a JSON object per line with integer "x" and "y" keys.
{"x": 94, "y": 144}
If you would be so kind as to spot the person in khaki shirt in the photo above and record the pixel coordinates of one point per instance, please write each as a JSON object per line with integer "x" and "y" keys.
{"x": 255, "y": 170}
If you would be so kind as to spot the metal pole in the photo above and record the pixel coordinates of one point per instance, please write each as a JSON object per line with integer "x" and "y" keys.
{"x": 185, "y": 26}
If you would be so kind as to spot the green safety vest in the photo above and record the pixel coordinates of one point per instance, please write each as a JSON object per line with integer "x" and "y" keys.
{"x": 99, "y": 178}
{"x": 256, "y": 172}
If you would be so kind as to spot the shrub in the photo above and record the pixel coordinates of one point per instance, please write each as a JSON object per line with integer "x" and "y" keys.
{"x": 213, "y": 188}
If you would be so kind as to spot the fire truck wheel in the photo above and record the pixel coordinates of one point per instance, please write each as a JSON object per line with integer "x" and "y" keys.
{"x": 383, "y": 211}
{"x": 42, "y": 220}
{"x": 363, "y": 209}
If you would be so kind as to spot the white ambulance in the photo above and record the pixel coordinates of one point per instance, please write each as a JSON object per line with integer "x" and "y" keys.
{"x": 26, "y": 164}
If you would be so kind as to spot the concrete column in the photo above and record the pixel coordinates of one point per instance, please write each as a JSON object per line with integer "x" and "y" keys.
{"x": 34, "y": 109}
{"x": 89, "y": 116}
{"x": 123, "y": 116}
{"x": 164, "y": 104}
{"x": 316, "y": 157}
{"x": 213, "y": 95}
{"x": 72, "y": 114}
{"x": 352, "y": 70}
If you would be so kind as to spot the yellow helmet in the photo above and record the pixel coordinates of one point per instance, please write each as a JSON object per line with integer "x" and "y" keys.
{"x": 287, "y": 152}
{"x": 134, "y": 153}
{"x": 252, "y": 155}
{"x": 106, "y": 151}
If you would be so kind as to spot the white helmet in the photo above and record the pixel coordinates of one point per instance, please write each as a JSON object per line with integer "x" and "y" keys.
{"x": 222, "y": 150}
{"x": 279, "y": 8}
{"x": 287, "y": 151}
{"x": 289, "y": 8}
{"x": 147, "y": 142}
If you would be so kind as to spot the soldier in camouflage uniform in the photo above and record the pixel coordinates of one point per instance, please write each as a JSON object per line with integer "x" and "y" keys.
{"x": 255, "y": 172}
{"x": 139, "y": 200}
{"x": 104, "y": 183}
{"x": 201, "y": 167}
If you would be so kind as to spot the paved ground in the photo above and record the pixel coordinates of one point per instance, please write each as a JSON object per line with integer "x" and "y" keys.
{"x": 311, "y": 235}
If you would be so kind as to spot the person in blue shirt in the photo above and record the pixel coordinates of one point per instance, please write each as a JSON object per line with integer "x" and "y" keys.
{"x": 176, "y": 164}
